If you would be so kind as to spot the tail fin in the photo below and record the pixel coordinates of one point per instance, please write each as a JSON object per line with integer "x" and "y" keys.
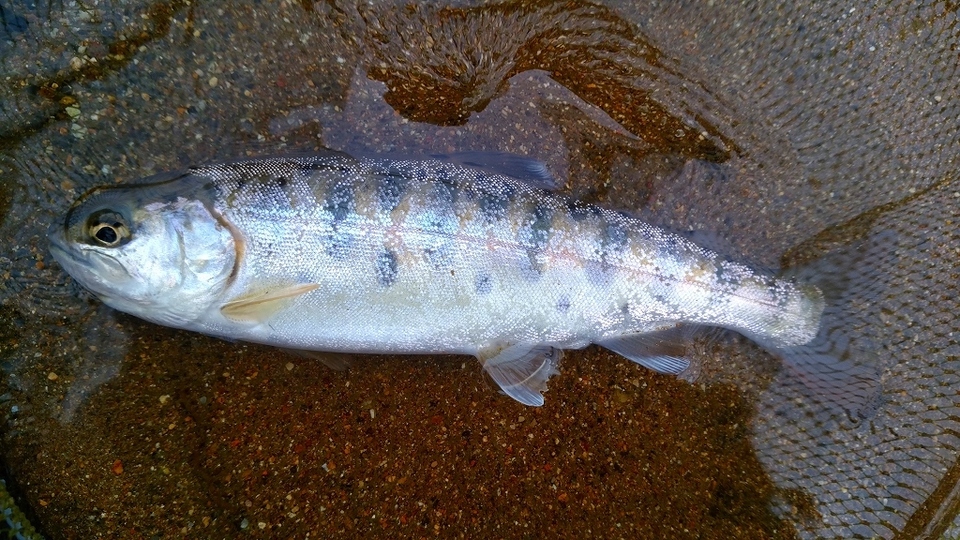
{"x": 840, "y": 365}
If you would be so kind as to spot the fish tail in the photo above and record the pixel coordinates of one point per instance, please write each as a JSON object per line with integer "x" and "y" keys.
{"x": 839, "y": 366}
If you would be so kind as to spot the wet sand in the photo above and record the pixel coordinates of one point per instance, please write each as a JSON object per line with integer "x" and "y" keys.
{"x": 116, "y": 428}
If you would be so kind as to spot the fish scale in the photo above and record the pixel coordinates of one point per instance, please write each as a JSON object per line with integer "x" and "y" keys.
{"x": 438, "y": 255}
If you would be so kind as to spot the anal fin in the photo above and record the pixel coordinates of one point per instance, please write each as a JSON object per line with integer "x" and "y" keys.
{"x": 522, "y": 369}
{"x": 662, "y": 351}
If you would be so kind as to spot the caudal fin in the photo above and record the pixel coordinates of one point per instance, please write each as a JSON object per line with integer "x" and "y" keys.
{"x": 840, "y": 366}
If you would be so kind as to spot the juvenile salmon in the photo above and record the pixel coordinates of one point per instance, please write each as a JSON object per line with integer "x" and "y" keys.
{"x": 465, "y": 254}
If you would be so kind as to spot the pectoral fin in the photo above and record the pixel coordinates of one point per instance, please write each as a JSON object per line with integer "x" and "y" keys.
{"x": 261, "y": 305}
{"x": 521, "y": 370}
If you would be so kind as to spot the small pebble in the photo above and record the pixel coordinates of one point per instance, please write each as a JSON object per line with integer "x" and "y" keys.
{"x": 52, "y": 376}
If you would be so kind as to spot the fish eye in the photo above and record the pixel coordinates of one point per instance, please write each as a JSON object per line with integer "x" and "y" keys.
{"x": 107, "y": 228}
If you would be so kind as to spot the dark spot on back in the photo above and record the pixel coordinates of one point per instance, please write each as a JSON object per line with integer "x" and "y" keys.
{"x": 339, "y": 244}
{"x": 580, "y": 211}
{"x": 563, "y": 304}
{"x": 483, "y": 283}
{"x": 646, "y": 233}
{"x": 494, "y": 204}
{"x": 614, "y": 241}
{"x": 439, "y": 256}
{"x": 673, "y": 248}
{"x": 327, "y": 164}
{"x": 339, "y": 201}
{"x": 535, "y": 236}
{"x": 540, "y": 229}
{"x": 672, "y": 244}
{"x": 386, "y": 267}
{"x": 616, "y": 236}
{"x": 441, "y": 220}
{"x": 390, "y": 191}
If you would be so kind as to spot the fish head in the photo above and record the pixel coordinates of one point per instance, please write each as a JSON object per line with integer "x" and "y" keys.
{"x": 155, "y": 254}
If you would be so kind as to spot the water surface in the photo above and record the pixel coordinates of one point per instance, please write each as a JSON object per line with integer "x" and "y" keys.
{"x": 784, "y": 132}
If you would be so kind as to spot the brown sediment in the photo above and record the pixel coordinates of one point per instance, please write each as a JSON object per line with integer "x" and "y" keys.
{"x": 562, "y": 38}
{"x": 403, "y": 446}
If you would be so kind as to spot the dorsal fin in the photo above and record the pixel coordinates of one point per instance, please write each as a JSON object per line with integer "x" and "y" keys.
{"x": 527, "y": 170}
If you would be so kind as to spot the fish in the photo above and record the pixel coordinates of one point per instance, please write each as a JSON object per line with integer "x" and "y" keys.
{"x": 471, "y": 253}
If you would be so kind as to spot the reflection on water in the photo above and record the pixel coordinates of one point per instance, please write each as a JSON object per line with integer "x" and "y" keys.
{"x": 812, "y": 128}
{"x": 442, "y": 64}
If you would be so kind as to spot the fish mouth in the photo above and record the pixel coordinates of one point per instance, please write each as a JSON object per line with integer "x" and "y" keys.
{"x": 71, "y": 261}
{"x": 58, "y": 244}
{"x": 69, "y": 257}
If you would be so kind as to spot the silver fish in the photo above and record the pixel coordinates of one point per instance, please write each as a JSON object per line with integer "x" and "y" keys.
{"x": 467, "y": 254}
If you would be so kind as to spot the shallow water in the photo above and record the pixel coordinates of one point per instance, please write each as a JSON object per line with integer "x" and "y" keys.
{"x": 783, "y": 131}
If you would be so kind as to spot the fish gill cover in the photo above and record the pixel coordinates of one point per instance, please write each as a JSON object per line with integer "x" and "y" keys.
{"x": 799, "y": 127}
